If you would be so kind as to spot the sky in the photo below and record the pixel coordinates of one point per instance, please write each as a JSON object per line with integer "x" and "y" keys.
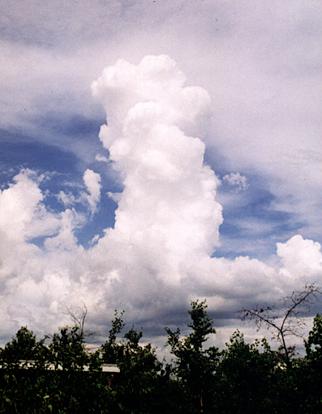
{"x": 154, "y": 152}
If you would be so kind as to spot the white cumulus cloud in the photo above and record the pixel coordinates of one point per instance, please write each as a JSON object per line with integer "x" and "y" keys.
{"x": 22, "y": 213}
{"x": 300, "y": 257}
{"x": 159, "y": 254}
{"x": 92, "y": 181}
{"x": 236, "y": 180}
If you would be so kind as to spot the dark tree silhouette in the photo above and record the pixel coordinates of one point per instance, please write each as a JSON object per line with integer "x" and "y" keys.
{"x": 195, "y": 366}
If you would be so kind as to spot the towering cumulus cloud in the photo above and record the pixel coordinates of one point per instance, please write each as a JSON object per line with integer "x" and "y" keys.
{"x": 167, "y": 212}
{"x": 160, "y": 252}
{"x": 168, "y": 219}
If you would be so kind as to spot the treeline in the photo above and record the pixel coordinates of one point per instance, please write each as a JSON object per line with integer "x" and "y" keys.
{"x": 241, "y": 378}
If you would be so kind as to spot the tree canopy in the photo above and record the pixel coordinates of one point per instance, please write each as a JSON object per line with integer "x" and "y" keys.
{"x": 241, "y": 377}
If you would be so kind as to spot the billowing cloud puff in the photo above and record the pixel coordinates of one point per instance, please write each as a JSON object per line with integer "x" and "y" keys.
{"x": 92, "y": 182}
{"x": 236, "y": 180}
{"x": 33, "y": 279}
{"x": 22, "y": 214}
{"x": 300, "y": 258}
{"x": 160, "y": 252}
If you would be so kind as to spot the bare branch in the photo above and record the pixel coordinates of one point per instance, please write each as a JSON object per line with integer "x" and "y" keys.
{"x": 291, "y": 323}
{"x": 78, "y": 316}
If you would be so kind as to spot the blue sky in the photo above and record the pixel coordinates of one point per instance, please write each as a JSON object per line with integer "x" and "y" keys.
{"x": 107, "y": 201}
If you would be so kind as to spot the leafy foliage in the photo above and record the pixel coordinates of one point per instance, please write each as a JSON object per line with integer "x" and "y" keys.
{"x": 195, "y": 366}
{"x": 242, "y": 378}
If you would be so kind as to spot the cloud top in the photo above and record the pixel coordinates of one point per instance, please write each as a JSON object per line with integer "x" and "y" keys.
{"x": 169, "y": 197}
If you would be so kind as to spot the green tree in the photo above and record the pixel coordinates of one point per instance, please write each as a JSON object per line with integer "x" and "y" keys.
{"x": 67, "y": 349}
{"x": 112, "y": 350}
{"x": 310, "y": 370}
{"x": 246, "y": 377}
{"x": 21, "y": 387}
{"x": 313, "y": 344}
{"x": 195, "y": 366}
{"x": 24, "y": 348}
{"x": 71, "y": 388}
{"x": 141, "y": 382}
